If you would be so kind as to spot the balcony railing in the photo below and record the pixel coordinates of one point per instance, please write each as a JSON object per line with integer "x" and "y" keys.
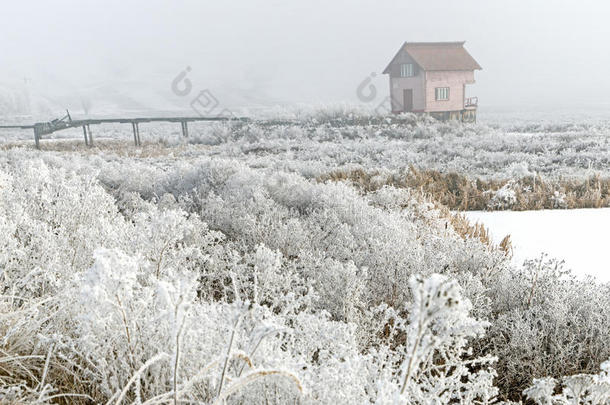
{"x": 471, "y": 102}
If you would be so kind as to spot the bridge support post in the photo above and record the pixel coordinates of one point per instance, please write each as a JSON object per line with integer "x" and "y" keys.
{"x": 138, "y": 134}
{"x": 36, "y": 137}
{"x": 135, "y": 133}
{"x": 85, "y": 135}
{"x": 185, "y": 128}
{"x": 90, "y": 135}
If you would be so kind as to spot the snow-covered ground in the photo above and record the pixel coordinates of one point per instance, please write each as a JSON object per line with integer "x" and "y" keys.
{"x": 580, "y": 236}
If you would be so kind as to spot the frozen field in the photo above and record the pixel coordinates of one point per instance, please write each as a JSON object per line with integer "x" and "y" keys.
{"x": 345, "y": 139}
{"x": 580, "y": 236}
{"x": 290, "y": 261}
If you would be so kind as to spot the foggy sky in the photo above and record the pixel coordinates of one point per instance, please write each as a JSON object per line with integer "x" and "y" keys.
{"x": 250, "y": 52}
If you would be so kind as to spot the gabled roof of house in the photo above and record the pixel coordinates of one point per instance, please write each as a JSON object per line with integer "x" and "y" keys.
{"x": 438, "y": 56}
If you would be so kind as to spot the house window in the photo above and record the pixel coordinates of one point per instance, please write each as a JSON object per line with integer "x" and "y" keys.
{"x": 406, "y": 70}
{"x": 441, "y": 93}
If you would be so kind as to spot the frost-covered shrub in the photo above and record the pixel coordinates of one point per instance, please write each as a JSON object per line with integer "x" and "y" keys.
{"x": 288, "y": 213}
{"x": 585, "y": 389}
{"x": 504, "y": 198}
{"x": 112, "y": 268}
{"x": 54, "y": 225}
{"x": 437, "y": 363}
{"x": 546, "y": 322}
{"x": 166, "y": 297}
{"x": 165, "y": 342}
{"x": 559, "y": 200}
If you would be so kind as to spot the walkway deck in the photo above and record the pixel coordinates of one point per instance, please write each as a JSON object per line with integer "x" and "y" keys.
{"x": 46, "y": 128}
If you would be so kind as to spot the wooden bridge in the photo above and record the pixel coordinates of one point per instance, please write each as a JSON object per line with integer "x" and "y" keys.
{"x": 46, "y": 128}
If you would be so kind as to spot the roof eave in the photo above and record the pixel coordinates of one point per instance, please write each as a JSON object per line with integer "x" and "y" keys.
{"x": 476, "y": 63}
{"x": 387, "y": 68}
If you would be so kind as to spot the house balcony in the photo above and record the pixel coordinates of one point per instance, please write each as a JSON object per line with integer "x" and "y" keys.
{"x": 471, "y": 103}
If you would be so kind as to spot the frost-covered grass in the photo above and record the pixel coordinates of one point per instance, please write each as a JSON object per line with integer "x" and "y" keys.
{"x": 316, "y": 144}
{"x": 465, "y": 193}
{"x": 517, "y": 166}
{"x": 199, "y": 273}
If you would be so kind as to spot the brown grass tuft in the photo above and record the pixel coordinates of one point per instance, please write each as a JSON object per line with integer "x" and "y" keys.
{"x": 463, "y": 193}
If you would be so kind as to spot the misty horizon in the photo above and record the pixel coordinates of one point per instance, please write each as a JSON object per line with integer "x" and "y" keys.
{"x": 117, "y": 56}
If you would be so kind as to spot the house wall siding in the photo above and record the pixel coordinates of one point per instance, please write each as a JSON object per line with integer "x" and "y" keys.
{"x": 399, "y": 84}
{"x": 397, "y": 87}
{"x": 455, "y": 80}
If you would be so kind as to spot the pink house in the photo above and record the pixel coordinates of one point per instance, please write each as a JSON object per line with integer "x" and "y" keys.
{"x": 431, "y": 77}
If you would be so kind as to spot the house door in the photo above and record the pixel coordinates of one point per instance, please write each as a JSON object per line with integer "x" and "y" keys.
{"x": 407, "y": 100}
